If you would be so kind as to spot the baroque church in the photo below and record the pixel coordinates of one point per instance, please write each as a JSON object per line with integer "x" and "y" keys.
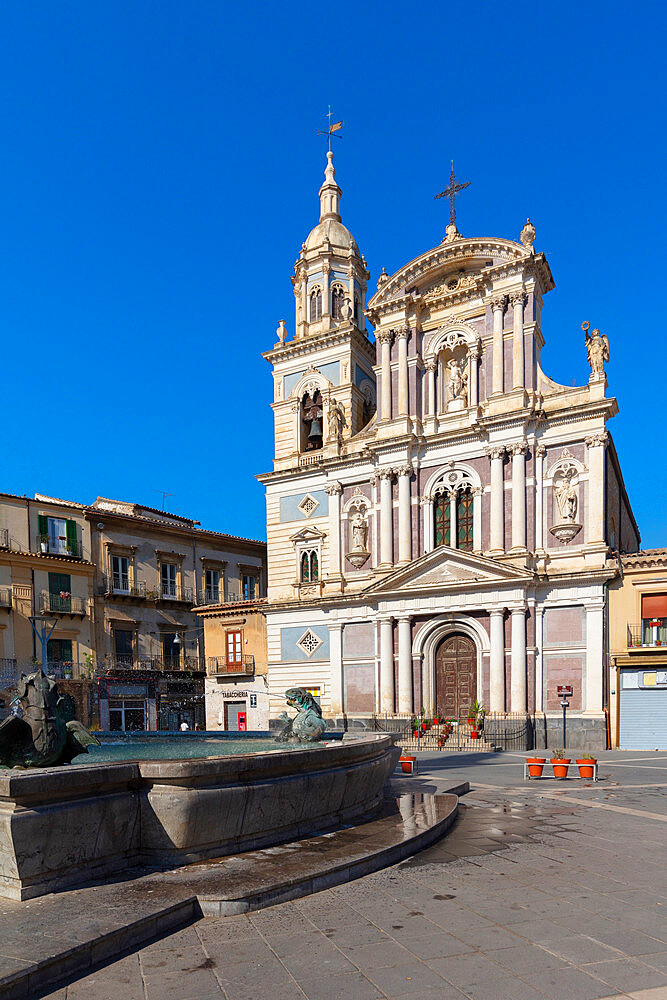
{"x": 441, "y": 515}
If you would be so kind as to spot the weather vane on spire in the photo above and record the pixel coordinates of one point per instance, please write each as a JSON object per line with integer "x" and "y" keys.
{"x": 333, "y": 127}
{"x": 451, "y": 192}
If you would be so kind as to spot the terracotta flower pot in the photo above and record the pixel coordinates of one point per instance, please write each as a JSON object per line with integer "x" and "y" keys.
{"x": 586, "y": 768}
{"x": 474, "y": 735}
{"x": 407, "y": 763}
{"x": 536, "y": 766}
{"x": 560, "y": 766}
{"x": 471, "y": 720}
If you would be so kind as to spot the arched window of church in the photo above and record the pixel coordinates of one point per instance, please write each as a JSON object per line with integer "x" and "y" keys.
{"x": 315, "y": 305}
{"x": 464, "y": 518}
{"x": 309, "y": 567}
{"x": 441, "y": 520}
{"x": 311, "y": 422}
{"x": 337, "y": 300}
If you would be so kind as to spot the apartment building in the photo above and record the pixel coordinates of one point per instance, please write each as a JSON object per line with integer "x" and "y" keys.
{"x": 119, "y": 582}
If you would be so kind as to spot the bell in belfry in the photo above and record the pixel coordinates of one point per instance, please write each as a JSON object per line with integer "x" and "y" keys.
{"x": 315, "y": 435}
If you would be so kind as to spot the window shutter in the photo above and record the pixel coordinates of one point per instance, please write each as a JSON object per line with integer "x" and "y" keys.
{"x": 654, "y": 606}
{"x": 59, "y": 582}
{"x": 70, "y": 531}
{"x": 42, "y": 524}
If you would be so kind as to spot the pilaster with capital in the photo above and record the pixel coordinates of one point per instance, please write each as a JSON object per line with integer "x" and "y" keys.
{"x": 431, "y": 368}
{"x": 518, "y": 451}
{"x": 385, "y": 337}
{"x": 326, "y": 270}
{"x": 540, "y": 452}
{"x": 478, "y": 493}
{"x": 498, "y": 379}
{"x": 386, "y": 665}
{"x": 336, "y": 668}
{"x": 594, "y": 657}
{"x": 404, "y": 474}
{"x": 596, "y": 444}
{"x": 402, "y": 335}
{"x": 334, "y": 491}
{"x": 518, "y": 660}
{"x": 473, "y": 374}
{"x": 497, "y": 660}
{"x": 404, "y": 665}
{"x": 518, "y": 300}
{"x": 497, "y": 528}
{"x": 386, "y": 517}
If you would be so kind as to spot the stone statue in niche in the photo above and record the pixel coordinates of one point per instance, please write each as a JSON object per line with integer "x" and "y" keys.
{"x": 566, "y": 502}
{"x": 336, "y": 419}
{"x": 457, "y": 382}
{"x": 597, "y": 349}
{"x": 358, "y": 551}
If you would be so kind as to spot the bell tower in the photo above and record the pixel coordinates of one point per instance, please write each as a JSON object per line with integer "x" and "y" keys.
{"x": 324, "y": 385}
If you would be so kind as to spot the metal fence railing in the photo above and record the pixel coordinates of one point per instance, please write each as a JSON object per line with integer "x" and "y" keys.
{"x": 492, "y": 731}
{"x": 224, "y": 665}
{"x": 59, "y": 546}
{"x": 63, "y": 604}
{"x": 650, "y": 632}
{"x": 5, "y": 597}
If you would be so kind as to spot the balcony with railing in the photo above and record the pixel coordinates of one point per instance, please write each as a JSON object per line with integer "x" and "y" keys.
{"x": 172, "y": 592}
{"x": 59, "y": 546}
{"x": 67, "y": 669}
{"x": 118, "y": 586}
{"x": 8, "y": 672}
{"x": 125, "y": 662}
{"x": 63, "y": 604}
{"x": 210, "y": 596}
{"x": 227, "y": 666}
{"x": 4, "y": 538}
{"x": 651, "y": 633}
{"x": 5, "y": 597}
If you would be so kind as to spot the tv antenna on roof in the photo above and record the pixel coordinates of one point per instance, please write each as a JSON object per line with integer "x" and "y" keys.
{"x": 165, "y": 494}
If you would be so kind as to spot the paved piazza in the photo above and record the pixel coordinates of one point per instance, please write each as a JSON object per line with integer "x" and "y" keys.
{"x": 542, "y": 889}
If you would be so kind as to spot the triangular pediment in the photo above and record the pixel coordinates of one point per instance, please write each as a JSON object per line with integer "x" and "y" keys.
{"x": 445, "y": 568}
{"x": 310, "y": 534}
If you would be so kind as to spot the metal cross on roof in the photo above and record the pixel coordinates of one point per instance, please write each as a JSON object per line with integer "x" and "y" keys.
{"x": 333, "y": 127}
{"x": 451, "y": 192}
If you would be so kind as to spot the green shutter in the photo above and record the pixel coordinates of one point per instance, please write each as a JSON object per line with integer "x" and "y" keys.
{"x": 72, "y": 541}
{"x": 42, "y": 525}
{"x": 60, "y": 582}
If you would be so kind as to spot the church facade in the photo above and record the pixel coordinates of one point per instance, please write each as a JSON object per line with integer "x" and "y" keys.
{"x": 441, "y": 515}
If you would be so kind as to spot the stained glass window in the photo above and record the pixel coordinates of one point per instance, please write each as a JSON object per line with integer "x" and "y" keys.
{"x": 441, "y": 519}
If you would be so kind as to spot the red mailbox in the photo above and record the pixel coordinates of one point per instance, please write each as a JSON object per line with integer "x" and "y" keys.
{"x": 243, "y": 725}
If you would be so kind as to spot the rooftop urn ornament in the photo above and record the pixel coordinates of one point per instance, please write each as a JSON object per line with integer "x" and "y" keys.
{"x": 451, "y": 191}
{"x": 281, "y": 331}
{"x": 383, "y": 279}
{"x": 597, "y": 349}
{"x": 527, "y": 236}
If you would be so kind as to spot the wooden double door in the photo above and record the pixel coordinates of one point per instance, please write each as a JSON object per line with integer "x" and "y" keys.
{"x": 455, "y": 676}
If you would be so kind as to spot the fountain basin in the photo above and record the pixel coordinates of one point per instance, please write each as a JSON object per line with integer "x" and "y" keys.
{"x": 63, "y": 826}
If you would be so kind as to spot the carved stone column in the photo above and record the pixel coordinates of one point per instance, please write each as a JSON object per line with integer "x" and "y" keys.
{"x": 431, "y": 367}
{"x": 336, "y": 668}
{"x": 404, "y": 665}
{"x": 518, "y": 661}
{"x": 387, "y": 665}
{"x": 497, "y": 661}
{"x": 386, "y": 517}
{"x": 478, "y": 493}
{"x": 334, "y": 491}
{"x": 326, "y": 298}
{"x": 518, "y": 377}
{"x": 404, "y": 474}
{"x": 385, "y": 338}
{"x": 304, "y": 301}
{"x": 473, "y": 391}
{"x": 518, "y": 451}
{"x": 596, "y": 445}
{"x": 496, "y": 454}
{"x": 426, "y": 503}
{"x": 497, "y": 384}
{"x": 453, "y": 495}
{"x": 540, "y": 452}
{"x": 402, "y": 337}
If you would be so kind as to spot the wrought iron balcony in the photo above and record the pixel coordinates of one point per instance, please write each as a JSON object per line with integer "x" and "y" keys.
{"x": 5, "y": 597}
{"x": 171, "y": 592}
{"x": 115, "y": 586}
{"x": 9, "y": 673}
{"x": 59, "y": 547}
{"x": 651, "y": 633}
{"x": 210, "y": 597}
{"x": 63, "y": 604}
{"x": 67, "y": 669}
{"x": 124, "y": 662}
{"x": 232, "y": 665}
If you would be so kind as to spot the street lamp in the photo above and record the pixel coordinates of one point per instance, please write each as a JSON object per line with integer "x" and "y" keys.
{"x": 44, "y": 633}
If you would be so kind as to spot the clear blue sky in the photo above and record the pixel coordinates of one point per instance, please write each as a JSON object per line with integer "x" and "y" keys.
{"x": 159, "y": 170}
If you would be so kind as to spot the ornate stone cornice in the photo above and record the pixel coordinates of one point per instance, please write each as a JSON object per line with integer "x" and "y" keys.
{"x": 597, "y": 440}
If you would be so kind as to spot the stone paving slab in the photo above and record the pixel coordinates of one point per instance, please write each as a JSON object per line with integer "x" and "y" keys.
{"x": 61, "y": 935}
{"x": 437, "y": 926}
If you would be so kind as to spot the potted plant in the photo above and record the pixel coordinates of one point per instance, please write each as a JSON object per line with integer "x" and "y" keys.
{"x": 407, "y": 762}
{"x": 476, "y": 714}
{"x": 436, "y": 720}
{"x": 559, "y": 763}
{"x": 535, "y": 766}
{"x": 474, "y": 734}
{"x": 586, "y": 764}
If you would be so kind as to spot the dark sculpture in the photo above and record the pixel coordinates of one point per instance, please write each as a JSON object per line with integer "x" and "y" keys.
{"x": 307, "y": 726}
{"x": 44, "y": 732}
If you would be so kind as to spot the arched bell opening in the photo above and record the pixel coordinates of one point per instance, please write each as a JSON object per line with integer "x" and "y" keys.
{"x": 311, "y": 421}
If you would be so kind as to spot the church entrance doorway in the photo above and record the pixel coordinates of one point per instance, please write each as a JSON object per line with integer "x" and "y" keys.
{"x": 455, "y": 676}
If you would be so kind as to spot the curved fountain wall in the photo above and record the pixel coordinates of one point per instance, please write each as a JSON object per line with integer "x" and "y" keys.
{"x": 63, "y": 826}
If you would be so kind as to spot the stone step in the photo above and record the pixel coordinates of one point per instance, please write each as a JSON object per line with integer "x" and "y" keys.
{"x": 61, "y": 936}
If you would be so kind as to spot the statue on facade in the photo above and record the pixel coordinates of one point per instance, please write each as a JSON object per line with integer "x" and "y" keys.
{"x": 307, "y": 726}
{"x": 457, "y": 380}
{"x": 359, "y": 529}
{"x": 336, "y": 420}
{"x": 566, "y": 498}
{"x": 566, "y": 503}
{"x": 597, "y": 349}
{"x": 42, "y": 731}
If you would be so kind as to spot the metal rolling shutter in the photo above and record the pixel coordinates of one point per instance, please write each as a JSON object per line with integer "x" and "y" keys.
{"x": 643, "y": 719}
